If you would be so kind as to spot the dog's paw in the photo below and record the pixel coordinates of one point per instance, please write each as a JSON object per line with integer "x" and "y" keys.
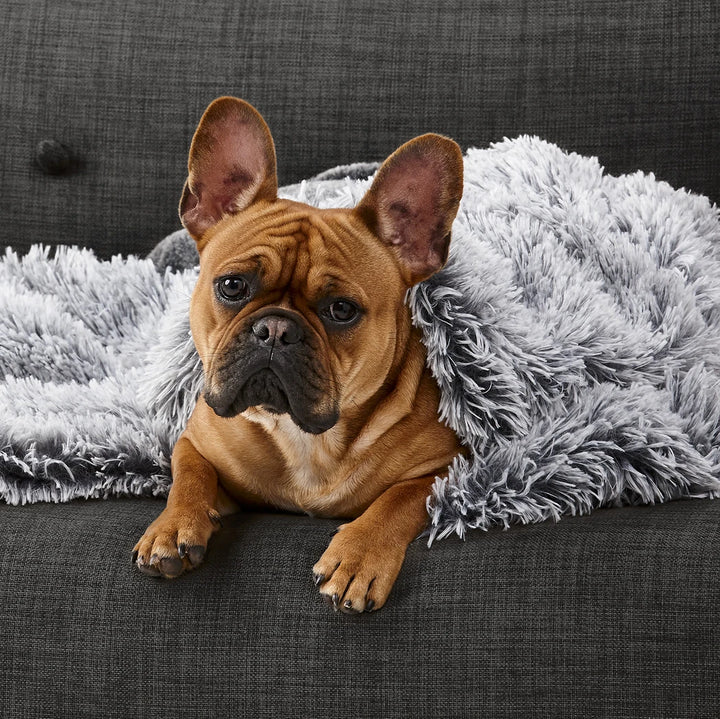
{"x": 175, "y": 542}
{"x": 357, "y": 571}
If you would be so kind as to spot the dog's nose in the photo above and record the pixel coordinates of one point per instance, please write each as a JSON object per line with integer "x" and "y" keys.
{"x": 274, "y": 328}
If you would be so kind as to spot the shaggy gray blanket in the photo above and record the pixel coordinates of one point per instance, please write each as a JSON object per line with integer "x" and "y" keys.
{"x": 574, "y": 334}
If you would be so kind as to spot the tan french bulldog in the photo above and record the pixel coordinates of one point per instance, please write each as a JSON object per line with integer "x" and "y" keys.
{"x": 317, "y": 398}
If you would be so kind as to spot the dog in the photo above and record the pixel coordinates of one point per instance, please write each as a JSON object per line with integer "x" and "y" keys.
{"x": 316, "y": 398}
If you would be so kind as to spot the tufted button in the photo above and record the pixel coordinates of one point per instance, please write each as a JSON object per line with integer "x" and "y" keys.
{"x": 53, "y": 158}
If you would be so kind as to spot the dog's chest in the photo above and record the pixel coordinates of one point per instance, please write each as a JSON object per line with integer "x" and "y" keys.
{"x": 310, "y": 459}
{"x": 312, "y": 464}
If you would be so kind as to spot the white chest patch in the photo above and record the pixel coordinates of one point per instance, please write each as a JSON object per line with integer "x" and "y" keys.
{"x": 312, "y": 460}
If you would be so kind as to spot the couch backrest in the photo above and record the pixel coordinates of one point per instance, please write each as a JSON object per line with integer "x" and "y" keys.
{"x": 107, "y": 94}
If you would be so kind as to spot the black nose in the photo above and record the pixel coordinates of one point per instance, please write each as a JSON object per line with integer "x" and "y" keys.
{"x": 274, "y": 328}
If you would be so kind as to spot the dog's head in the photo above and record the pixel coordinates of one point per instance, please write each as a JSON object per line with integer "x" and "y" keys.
{"x": 299, "y": 310}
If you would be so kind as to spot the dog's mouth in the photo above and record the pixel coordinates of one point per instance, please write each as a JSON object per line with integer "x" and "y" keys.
{"x": 266, "y": 390}
{"x": 263, "y": 389}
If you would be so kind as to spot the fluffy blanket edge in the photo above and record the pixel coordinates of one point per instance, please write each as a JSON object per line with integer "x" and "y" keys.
{"x": 574, "y": 334}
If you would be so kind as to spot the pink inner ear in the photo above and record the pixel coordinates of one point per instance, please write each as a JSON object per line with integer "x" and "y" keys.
{"x": 413, "y": 201}
{"x": 410, "y": 217}
{"x": 232, "y": 162}
{"x": 410, "y": 197}
{"x": 230, "y": 167}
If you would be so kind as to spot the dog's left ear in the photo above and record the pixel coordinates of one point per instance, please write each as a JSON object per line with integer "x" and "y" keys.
{"x": 413, "y": 201}
{"x": 231, "y": 165}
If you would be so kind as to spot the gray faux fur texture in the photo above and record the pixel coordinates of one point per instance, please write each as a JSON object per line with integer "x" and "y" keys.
{"x": 574, "y": 334}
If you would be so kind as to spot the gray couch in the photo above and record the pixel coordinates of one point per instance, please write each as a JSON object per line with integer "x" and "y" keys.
{"x": 615, "y": 614}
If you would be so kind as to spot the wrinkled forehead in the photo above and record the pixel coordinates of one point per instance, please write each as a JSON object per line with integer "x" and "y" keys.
{"x": 288, "y": 244}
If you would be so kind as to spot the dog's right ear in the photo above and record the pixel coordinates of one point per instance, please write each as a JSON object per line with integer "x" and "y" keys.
{"x": 231, "y": 165}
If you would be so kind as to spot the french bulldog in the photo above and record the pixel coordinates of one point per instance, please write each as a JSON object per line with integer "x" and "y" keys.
{"x": 317, "y": 398}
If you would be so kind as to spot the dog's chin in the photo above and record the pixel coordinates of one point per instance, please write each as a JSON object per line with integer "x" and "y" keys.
{"x": 271, "y": 397}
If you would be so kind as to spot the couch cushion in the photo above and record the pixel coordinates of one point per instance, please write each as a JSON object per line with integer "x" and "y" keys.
{"x": 109, "y": 93}
{"x": 615, "y": 614}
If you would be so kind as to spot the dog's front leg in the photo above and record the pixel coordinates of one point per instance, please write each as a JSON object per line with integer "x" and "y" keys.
{"x": 178, "y": 538}
{"x": 363, "y": 560}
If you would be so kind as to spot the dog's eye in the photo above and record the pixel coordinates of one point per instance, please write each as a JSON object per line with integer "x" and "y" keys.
{"x": 232, "y": 288}
{"x": 341, "y": 311}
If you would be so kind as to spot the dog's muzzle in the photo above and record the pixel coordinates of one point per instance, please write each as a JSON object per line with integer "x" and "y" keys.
{"x": 273, "y": 365}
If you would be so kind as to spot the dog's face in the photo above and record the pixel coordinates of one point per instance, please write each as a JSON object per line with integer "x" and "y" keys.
{"x": 301, "y": 311}
{"x": 296, "y": 311}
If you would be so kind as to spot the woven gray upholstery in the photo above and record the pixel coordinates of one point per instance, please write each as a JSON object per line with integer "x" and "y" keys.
{"x": 122, "y": 85}
{"x": 599, "y": 616}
